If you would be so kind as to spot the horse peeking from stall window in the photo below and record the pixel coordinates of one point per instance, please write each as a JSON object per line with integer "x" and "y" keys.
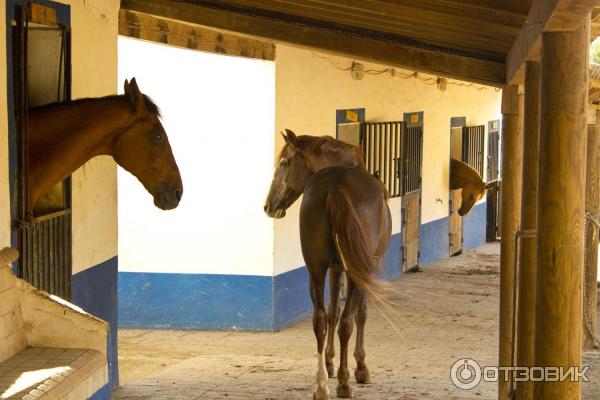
{"x": 345, "y": 227}
{"x": 64, "y": 136}
{"x": 465, "y": 177}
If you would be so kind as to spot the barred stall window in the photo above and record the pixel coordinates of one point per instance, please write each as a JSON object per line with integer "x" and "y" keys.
{"x": 473, "y": 146}
{"x": 412, "y": 153}
{"x": 382, "y": 143}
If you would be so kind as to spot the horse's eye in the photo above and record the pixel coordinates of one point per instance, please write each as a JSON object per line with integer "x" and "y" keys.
{"x": 158, "y": 137}
{"x": 284, "y": 162}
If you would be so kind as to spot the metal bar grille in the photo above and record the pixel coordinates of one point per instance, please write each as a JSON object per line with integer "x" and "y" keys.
{"x": 473, "y": 146}
{"x": 413, "y": 144}
{"x": 381, "y": 145}
{"x": 493, "y": 150}
{"x": 46, "y": 260}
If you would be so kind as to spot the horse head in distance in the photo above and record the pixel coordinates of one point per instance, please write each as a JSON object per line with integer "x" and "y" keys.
{"x": 299, "y": 159}
{"x": 64, "y": 136}
{"x": 465, "y": 177}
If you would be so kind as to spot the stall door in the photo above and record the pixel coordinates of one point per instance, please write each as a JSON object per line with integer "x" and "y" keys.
{"x": 41, "y": 63}
{"x": 493, "y": 178}
{"x": 455, "y": 238}
{"x": 412, "y": 162}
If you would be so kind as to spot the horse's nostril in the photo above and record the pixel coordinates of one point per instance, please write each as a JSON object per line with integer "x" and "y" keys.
{"x": 178, "y": 194}
{"x": 266, "y": 208}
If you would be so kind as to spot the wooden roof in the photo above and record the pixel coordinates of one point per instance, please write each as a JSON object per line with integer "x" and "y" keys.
{"x": 483, "y": 41}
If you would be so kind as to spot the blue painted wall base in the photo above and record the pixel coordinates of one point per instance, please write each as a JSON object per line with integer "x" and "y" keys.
{"x": 434, "y": 244}
{"x": 103, "y": 394}
{"x": 474, "y": 225}
{"x": 95, "y": 290}
{"x": 195, "y": 301}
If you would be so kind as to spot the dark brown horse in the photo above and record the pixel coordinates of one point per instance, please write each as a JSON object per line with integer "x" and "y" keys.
{"x": 345, "y": 226}
{"x": 465, "y": 177}
{"x": 64, "y": 136}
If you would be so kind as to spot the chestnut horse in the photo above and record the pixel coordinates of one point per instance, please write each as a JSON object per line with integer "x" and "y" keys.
{"x": 345, "y": 226}
{"x": 465, "y": 177}
{"x": 64, "y": 136}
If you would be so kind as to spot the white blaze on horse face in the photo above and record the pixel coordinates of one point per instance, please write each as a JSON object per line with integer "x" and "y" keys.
{"x": 322, "y": 390}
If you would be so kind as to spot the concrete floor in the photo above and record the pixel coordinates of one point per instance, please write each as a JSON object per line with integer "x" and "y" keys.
{"x": 444, "y": 313}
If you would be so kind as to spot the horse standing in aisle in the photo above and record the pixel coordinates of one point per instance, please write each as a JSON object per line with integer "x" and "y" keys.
{"x": 64, "y": 136}
{"x": 345, "y": 227}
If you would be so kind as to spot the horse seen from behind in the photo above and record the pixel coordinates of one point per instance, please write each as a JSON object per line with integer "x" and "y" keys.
{"x": 345, "y": 227}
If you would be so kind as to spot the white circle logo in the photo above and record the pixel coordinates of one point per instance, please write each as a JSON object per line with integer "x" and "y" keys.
{"x": 465, "y": 374}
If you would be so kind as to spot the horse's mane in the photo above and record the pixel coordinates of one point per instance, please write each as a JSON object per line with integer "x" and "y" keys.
{"x": 311, "y": 146}
{"x": 462, "y": 173}
{"x": 150, "y": 104}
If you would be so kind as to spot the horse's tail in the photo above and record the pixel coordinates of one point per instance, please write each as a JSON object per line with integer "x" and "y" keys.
{"x": 354, "y": 250}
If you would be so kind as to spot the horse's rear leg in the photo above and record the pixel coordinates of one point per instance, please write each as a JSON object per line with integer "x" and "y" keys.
{"x": 361, "y": 373}
{"x": 333, "y": 316}
{"x": 345, "y": 331}
{"x": 317, "y": 284}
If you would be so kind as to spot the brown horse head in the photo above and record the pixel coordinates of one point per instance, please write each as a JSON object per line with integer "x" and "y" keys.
{"x": 290, "y": 177}
{"x": 299, "y": 159}
{"x": 144, "y": 150}
{"x": 463, "y": 176}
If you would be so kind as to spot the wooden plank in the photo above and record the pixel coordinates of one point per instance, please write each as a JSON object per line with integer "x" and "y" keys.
{"x": 512, "y": 167}
{"x": 544, "y": 16}
{"x": 592, "y": 208}
{"x": 561, "y": 208}
{"x": 455, "y": 222}
{"x": 173, "y": 33}
{"x": 328, "y": 38}
{"x": 528, "y": 251}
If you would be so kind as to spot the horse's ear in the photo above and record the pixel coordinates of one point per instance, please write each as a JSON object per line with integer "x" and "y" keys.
{"x": 134, "y": 95}
{"x": 291, "y": 137}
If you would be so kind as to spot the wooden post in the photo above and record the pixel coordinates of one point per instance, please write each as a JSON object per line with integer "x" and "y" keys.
{"x": 527, "y": 245}
{"x": 592, "y": 208}
{"x": 512, "y": 159}
{"x": 561, "y": 207}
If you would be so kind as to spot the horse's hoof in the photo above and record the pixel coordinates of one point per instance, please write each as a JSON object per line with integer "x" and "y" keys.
{"x": 320, "y": 395}
{"x": 330, "y": 369}
{"x": 344, "y": 391}
{"x": 362, "y": 375}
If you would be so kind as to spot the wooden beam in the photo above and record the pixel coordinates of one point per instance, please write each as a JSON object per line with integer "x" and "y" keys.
{"x": 544, "y": 16}
{"x": 330, "y": 38}
{"x": 592, "y": 209}
{"x": 528, "y": 254}
{"x": 512, "y": 167}
{"x": 173, "y": 33}
{"x": 561, "y": 207}
{"x": 408, "y": 18}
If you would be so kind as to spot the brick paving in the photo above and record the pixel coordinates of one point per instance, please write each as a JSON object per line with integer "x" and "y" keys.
{"x": 445, "y": 312}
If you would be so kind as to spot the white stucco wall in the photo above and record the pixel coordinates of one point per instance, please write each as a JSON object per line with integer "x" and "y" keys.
{"x": 218, "y": 112}
{"x": 310, "y": 90}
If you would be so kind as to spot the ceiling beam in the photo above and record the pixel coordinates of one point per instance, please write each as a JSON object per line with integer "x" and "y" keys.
{"x": 192, "y": 37}
{"x": 327, "y": 37}
{"x": 544, "y": 16}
